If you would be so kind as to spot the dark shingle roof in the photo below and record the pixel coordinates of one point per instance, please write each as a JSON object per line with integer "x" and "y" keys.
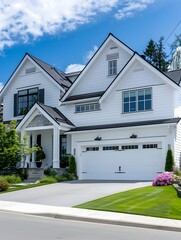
{"x": 84, "y": 96}
{"x": 127, "y": 124}
{"x": 55, "y": 73}
{"x": 55, "y": 114}
{"x": 174, "y": 75}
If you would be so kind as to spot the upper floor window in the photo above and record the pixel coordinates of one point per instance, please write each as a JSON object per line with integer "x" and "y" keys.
{"x": 112, "y": 67}
{"x": 87, "y": 107}
{"x": 137, "y": 100}
{"x": 26, "y": 99}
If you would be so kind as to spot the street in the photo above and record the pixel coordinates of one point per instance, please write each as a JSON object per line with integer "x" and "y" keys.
{"x": 20, "y": 227}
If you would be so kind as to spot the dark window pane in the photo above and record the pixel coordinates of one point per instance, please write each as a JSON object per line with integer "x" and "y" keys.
{"x": 148, "y": 105}
{"x": 132, "y": 106}
{"x": 141, "y": 106}
{"x": 126, "y": 107}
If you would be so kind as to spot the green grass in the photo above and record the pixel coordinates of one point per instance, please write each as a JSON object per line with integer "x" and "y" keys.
{"x": 14, "y": 187}
{"x": 149, "y": 201}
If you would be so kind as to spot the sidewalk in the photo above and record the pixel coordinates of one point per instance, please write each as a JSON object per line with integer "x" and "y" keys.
{"x": 91, "y": 216}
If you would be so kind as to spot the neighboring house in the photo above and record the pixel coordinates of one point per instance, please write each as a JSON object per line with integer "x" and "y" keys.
{"x": 118, "y": 117}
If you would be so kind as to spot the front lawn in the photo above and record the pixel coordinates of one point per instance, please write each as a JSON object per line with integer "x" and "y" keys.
{"x": 149, "y": 201}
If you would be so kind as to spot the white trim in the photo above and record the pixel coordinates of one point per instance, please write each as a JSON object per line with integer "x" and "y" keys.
{"x": 99, "y": 51}
{"x": 38, "y": 66}
{"x": 85, "y": 100}
{"x": 126, "y": 69}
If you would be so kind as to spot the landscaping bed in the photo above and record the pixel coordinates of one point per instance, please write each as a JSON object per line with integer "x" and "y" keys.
{"x": 161, "y": 201}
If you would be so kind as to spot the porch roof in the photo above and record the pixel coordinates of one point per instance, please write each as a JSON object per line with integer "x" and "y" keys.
{"x": 55, "y": 114}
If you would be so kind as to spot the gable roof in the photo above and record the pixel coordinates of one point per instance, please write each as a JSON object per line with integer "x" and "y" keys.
{"x": 135, "y": 56}
{"x": 53, "y": 73}
{"x": 55, "y": 114}
{"x": 59, "y": 76}
{"x": 96, "y": 54}
{"x": 51, "y": 113}
{"x": 84, "y": 96}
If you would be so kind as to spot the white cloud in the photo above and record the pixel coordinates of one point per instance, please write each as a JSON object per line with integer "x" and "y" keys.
{"x": 74, "y": 68}
{"x": 91, "y": 53}
{"x": 24, "y": 20}
{"x": 129, "y": 8}
{"x": 1, "y": 85}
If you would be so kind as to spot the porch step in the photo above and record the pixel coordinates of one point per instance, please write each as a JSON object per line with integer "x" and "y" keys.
{"x": 34, "y": 175}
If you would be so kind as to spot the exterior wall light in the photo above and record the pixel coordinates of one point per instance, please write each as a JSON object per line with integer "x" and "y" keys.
{"x": 98, "y": 138}
{"x": 133, "y": 136}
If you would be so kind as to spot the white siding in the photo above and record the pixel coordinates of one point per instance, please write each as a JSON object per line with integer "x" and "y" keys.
{"x": 97, "y": 79}
{"x": 111, "y": 107}
{"x": 22, "y": 80}
{"x": 177, "y": 150}
{"x": 177, "y": 103}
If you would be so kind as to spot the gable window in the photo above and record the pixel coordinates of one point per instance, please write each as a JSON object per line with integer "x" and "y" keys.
{"x": 112, "y": 67}
{"x": 87, "y": 107}
{"x": 137, "y": 100}
{"x": 26, "y": 99}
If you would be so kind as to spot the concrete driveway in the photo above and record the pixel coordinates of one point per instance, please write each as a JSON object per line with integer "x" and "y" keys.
{"x": 67, "y": 194}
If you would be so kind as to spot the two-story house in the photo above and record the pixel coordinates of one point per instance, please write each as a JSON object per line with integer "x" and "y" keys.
{"x": 118, "y": 116}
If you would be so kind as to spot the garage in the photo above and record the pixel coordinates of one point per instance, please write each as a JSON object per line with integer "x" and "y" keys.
{"x": 122, "y": 162}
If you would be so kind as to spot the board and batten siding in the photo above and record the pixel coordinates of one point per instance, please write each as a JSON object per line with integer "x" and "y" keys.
{"x": 177, "y": 148}
{"x": 177, "y": 103}
{"x": 26, "y": 81}
{"x": 96, "y": 79}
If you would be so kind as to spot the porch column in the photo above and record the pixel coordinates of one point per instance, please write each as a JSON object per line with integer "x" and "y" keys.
{"x": 22, "y": 164}
{"x": 56, "y": 148}
{"x": 33, "y": 164}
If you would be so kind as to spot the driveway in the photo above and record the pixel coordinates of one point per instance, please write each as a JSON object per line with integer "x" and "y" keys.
{"x": 67, "y": 194}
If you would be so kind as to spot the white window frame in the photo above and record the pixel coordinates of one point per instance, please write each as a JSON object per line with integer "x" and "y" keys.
{"x": 136, "y": 101}
{"x": 112, "y": 69}
{"x": 89, "y": 107}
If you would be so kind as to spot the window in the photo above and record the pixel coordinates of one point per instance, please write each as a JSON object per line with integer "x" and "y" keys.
{"x": 26, "y": 99}
{"x": 87, "y": 107}
{"x": 108, "y": 148}
{"x": 146, "y": 146}
{"x": 30, "y": 70}
{"x": 137, "y": 100}
{"x": 92, "y": 149}
{"x": 112, "y": 67}
{"x": 126, "y": 147}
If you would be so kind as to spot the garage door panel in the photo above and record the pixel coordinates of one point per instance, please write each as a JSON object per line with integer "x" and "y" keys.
{"x": 133, "y": 164}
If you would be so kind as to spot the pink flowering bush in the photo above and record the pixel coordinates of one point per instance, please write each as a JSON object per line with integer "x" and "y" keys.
{"x": 163, "y": 179}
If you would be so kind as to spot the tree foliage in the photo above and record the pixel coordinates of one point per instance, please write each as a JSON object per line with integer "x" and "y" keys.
{"x": 169, "y": 164}
{"x": 9, "y": 146}
{"x": 155, "y": 54}
{"x": 12, "y": 150}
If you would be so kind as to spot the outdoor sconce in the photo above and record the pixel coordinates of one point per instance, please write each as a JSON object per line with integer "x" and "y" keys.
{"x": 133, "y": 136}
{"x": 98, "y": 138}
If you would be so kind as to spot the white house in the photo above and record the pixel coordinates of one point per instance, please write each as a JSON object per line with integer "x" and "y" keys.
{"x": 118, "y": 116}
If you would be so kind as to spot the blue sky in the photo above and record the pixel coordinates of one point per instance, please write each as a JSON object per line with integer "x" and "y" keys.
{"x": 66, "y": 33}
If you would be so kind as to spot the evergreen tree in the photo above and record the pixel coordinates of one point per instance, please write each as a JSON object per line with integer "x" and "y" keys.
{"x": 150, "y": 52}
{"x": 169, "y": 164}
{"x": 155, "y": 54}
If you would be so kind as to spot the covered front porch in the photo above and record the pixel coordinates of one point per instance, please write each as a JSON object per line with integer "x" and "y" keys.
{"x": 45, "y": 127}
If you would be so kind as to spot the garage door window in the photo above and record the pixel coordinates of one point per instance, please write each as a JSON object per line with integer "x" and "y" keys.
{"x": 128, "y": 147}
{"x": 92, "y": 149}
{"x": 108, "y": 148}
{"x": 148, "y": 146}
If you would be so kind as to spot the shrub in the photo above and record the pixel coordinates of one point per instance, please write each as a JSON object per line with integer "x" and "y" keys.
{"x": 163, "y": 179}
{"x": 13, "y": 179}
{"x": 61, "y": 178}
{"x": 50, "y": 172}
{"x": 169, "y": 161}
{"x": 48, "y": 180}
{"x": 72, "y": 166}
{"x": 23, "y": 173}
{"x": 3, "y": 184}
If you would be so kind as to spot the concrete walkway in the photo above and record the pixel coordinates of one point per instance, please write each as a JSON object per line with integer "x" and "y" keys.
{"x": 91, "y": 216}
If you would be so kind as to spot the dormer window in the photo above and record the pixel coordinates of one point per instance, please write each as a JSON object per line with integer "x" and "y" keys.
{"x": 112, "y": 67}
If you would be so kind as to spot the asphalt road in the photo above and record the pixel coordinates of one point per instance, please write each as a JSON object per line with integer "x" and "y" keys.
{"x": 67, "y": 194}
{"x": 21, "y": 227}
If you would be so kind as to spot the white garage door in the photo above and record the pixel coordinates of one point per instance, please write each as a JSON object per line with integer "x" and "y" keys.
{"x": 122, "y": 162}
